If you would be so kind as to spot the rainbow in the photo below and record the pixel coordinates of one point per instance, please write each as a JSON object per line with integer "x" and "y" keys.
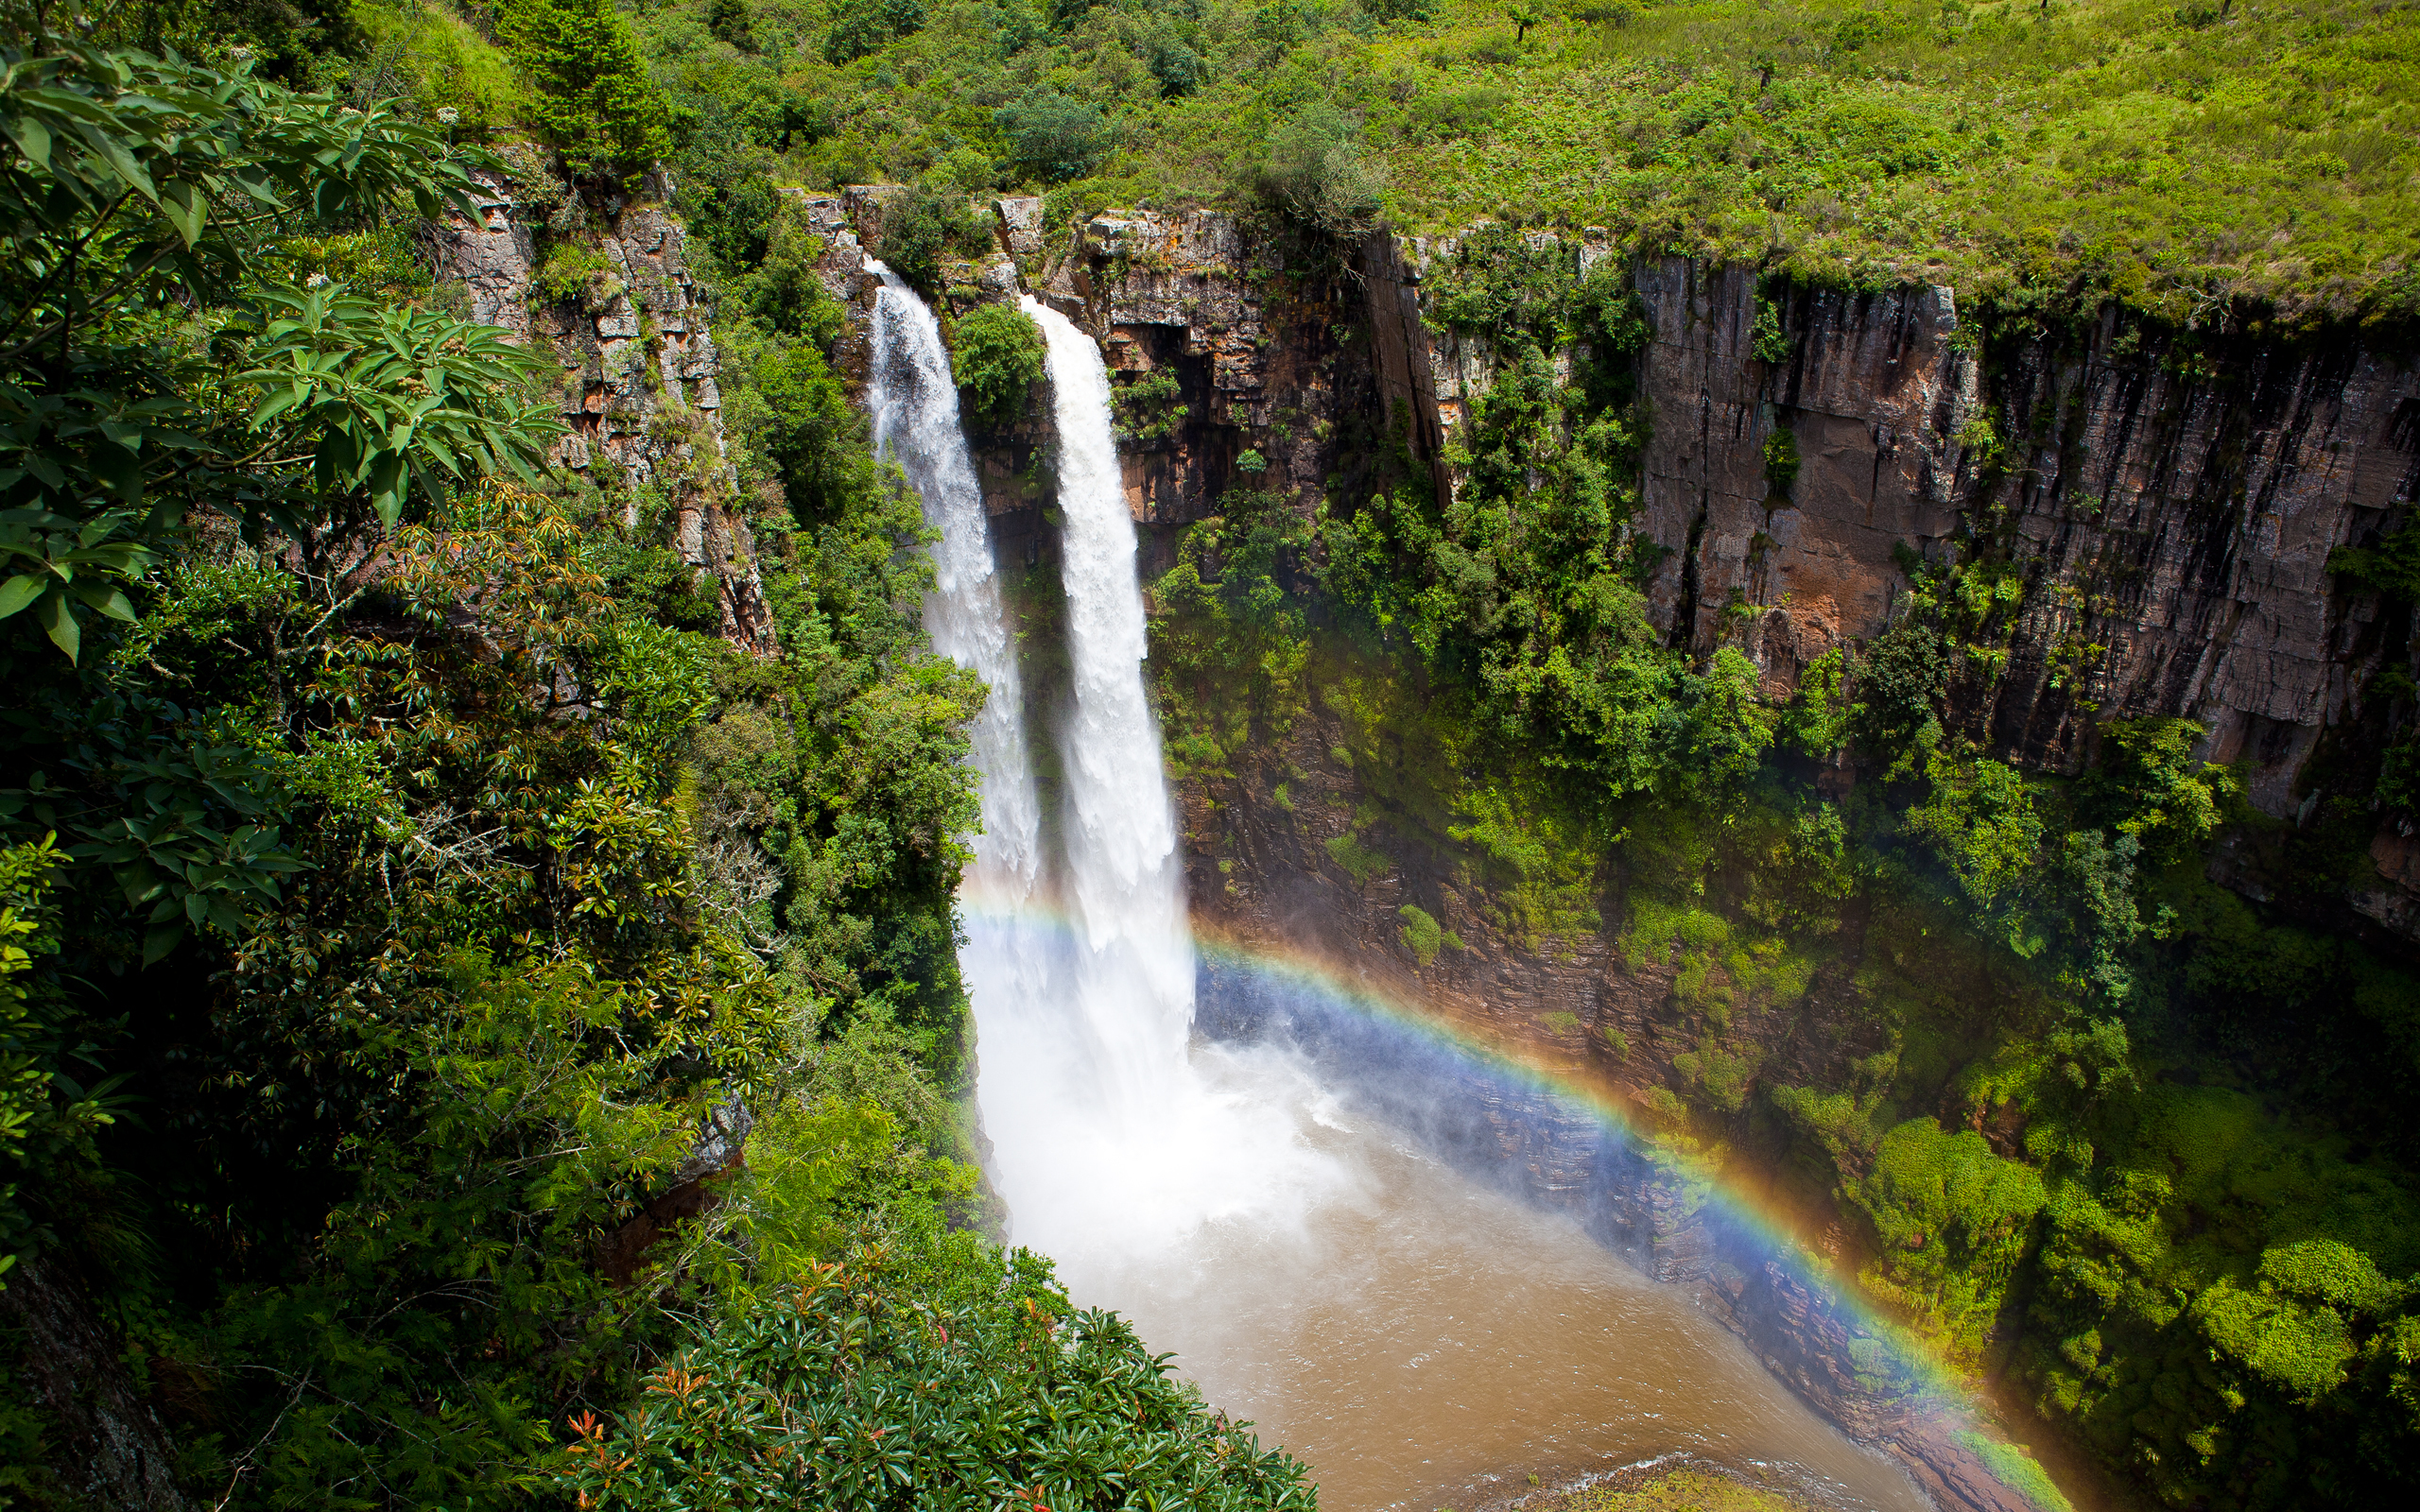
{"x": 1313, "y": 1001}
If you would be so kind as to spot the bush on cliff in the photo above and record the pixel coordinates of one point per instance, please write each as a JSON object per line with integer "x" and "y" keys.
{"x": 996, "y": 354}
{"x": 592, "y": 99}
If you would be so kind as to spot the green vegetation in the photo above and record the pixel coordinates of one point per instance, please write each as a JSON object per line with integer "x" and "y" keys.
{"x": 878, "y": 1359}
{"x": 1684, "y": 1490}
{"x": 591, "y": 97}
{"x": 995, "y": 355}
{"x": 409, "y": 899}
{"x": 2196, "y": 161}
{"x": 1422, "y": 934}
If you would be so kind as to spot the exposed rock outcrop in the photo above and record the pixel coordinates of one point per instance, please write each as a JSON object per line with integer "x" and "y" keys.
{"x": 639, "y": 368}
{"x": 104, "y": 1443}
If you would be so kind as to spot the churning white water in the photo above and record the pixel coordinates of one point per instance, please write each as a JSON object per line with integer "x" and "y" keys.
{"x": 1415, "y": 1337}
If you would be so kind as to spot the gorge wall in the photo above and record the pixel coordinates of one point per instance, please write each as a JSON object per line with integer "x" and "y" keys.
{"x": 2171, "y": 510}
{"x": 638, "y": 393}
{"x": 2168, "y": 503}
{"x": 2168, "y": 510}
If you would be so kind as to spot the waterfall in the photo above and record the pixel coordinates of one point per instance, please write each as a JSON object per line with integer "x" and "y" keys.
{"x": 914, "y": 402}
{"x": 1133, "y": 952}
{"x": 1114, "y": 1141}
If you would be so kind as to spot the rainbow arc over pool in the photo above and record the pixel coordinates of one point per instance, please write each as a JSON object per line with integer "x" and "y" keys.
{"x": 1410, "y": 1055}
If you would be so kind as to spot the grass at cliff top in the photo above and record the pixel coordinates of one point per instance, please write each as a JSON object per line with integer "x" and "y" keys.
{"x": 2176, "y": 157}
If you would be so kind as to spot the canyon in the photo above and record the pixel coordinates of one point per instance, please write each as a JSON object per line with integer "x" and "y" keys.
{"x": 2174, "y": 504}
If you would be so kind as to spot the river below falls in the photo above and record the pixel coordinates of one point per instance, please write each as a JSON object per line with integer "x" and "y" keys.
{"x": 1425, "y": 1341}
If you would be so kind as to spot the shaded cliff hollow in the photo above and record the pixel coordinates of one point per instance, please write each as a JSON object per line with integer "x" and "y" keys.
{"x": 638, "y": 387}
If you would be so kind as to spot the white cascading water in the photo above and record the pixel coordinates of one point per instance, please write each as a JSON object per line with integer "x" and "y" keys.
{"x": 1113, "y": 1143}
{"x": 914, "y": 403}
{"x": 1414, "y": 1334}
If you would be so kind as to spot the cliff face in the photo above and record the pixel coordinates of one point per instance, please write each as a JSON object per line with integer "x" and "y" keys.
{"x": 2172, "y": 507}
{"x": 639, "y": 366}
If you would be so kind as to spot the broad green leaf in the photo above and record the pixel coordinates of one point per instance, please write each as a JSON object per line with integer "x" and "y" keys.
{"x": 159, "y": 940}
{"x": 60, "y": 622}
{"x": 106, "y": 600}
{"x": 185, "y": 209}
{"x": 18, "y": 592}
{"x": 32, "y": 139}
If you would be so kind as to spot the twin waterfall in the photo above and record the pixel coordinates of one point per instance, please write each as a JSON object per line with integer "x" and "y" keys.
{"x": 1112, "y": 1143}
{"x": 1414, "y": 1335}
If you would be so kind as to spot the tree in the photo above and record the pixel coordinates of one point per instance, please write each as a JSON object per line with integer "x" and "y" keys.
{"x": 996, "y": 354}
{"x": 861, "y": 28}
{"x": 1052, "y": 138}
{"x": 593, "y": 100}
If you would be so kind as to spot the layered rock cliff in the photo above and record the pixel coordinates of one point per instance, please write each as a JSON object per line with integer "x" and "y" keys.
{"x": 638, "y": 391}
{"x": 2167, "y": 502}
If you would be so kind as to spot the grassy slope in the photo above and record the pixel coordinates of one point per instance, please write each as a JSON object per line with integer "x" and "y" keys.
{"x": 2165, "y": 155}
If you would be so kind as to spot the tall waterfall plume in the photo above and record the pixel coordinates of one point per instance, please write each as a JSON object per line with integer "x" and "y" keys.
{"x": 914, "y": 402}
{"x": 1115, "y": 1140}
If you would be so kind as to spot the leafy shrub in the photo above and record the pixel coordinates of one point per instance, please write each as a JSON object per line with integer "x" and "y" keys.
{"x": 2398, "y": 789}
{"x": 1317, "y": 170}
{"x": 996, "y": 354}
{"x": 732, "y": 21}
{"x": 1980, "y": 820}
{"x": 1052, "y": 138}
{"x": 1358, "y": 860}
{"x": 576, "y": 273}
{"x": 1177, "y": 67}
{"x": 932, "y": 1373}
{"x": 860, "y": 27}
{"x": 1781, "y": 459}
{"x": 1815, "y": 722}
{"x": 1955, "y": 1221}
{"x": 1144, "y": 408}
{"x": 1421, "y": 936}
{"x": 1767, "y": 339}
{"x": 1905, "y": 674}
{"x": 2392, "y": 567}
{"x": 922, "y": 228}
{"x": 2148, "y": 786}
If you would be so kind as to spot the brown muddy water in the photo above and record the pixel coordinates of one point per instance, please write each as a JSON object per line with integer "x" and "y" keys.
{"x": 1424, "y": 1341}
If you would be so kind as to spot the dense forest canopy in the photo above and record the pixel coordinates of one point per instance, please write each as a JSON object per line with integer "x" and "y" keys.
{"x": 407, "y": 895}
{"x": 403, "y": 900}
